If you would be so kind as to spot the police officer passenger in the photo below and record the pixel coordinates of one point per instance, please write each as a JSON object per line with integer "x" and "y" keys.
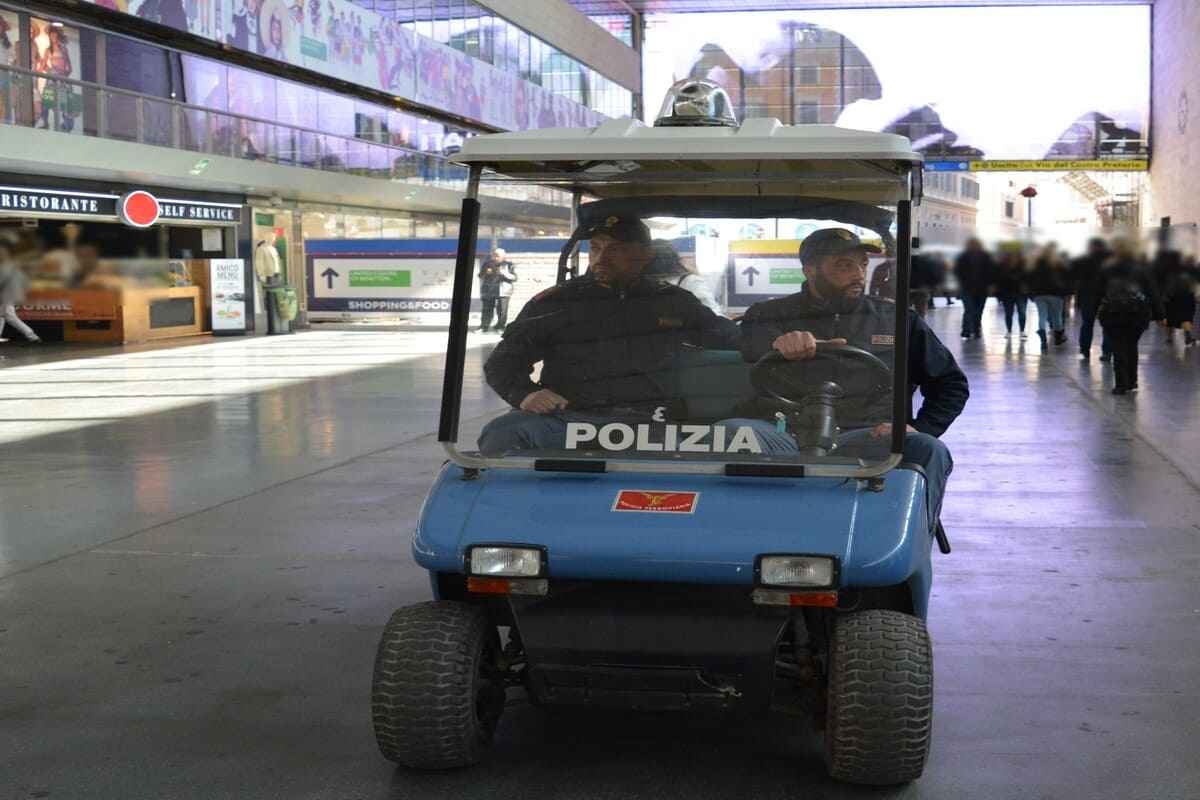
{"x": 833, "y": 307}
{"x": 604, "y": 340}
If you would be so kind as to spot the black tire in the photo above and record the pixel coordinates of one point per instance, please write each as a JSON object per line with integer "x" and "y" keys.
{"x": 880, "y": 698}
{"x": 434, "y": 701}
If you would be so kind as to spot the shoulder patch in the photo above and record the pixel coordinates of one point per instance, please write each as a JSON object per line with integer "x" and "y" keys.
{"x": 545, "y": 293}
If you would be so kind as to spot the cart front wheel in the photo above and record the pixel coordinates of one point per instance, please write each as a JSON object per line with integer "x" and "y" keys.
{"x": 435, "y": 697}
{"x": 880, "y": 698}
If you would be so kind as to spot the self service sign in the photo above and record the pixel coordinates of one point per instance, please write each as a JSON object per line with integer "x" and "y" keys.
{"x": 137, "y": 208}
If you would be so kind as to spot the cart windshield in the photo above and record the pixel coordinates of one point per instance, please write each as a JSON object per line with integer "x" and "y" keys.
{"x": 680, "y": 328}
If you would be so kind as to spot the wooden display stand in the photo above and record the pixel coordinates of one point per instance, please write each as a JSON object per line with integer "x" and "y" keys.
{"x": 119, "y": 316}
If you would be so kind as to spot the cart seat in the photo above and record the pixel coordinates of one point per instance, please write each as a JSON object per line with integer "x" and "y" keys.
{"x": 711, "y": 385}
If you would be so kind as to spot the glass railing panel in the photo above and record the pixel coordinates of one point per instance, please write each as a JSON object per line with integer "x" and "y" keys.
{"x": 51, "y": 103}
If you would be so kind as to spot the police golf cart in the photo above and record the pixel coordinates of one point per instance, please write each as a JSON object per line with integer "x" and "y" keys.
{"x": 677, "y": 560}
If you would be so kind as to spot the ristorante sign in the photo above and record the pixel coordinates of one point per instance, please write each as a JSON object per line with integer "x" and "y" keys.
{"x": 137, "y": 208}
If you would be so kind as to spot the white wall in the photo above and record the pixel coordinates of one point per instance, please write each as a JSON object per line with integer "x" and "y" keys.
{"x": 1175, "y": 119}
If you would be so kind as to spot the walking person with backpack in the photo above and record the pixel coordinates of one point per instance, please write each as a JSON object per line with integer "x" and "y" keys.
{"x": 1128, "y": 302}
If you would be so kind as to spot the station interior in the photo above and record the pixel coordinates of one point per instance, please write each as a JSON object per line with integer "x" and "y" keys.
{"x": 269, "y": 301}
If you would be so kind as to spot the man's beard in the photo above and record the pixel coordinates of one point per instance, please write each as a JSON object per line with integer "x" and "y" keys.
{"x": 839, "y": 300}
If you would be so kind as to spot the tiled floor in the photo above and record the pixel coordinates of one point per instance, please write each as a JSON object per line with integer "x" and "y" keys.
{"x": 198, "y": 562}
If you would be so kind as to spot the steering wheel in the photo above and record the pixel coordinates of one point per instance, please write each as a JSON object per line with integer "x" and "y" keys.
{"x": 793, "y": 382}
{"x": 808, "y": 390}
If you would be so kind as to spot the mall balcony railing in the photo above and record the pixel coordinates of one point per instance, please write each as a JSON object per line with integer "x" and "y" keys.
{"x": 36, "y": 100}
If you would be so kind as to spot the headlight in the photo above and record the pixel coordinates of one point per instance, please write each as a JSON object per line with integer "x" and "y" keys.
{"x": 505, "y": 562}
{"x": 815, "y": 571}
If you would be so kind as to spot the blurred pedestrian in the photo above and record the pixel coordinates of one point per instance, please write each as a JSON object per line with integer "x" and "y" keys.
{"x": 883, "y": 280}
{"x": 1128, "y": 302}
{"x": 927, "y": 274}
{"x": 1011, "y": 289}
{"x": 1049, "y": 283}
{"x": 669, "y": 267}
{"x": 974, "y": 268}
{"x": 1176, "y": 284}
{"x": 496, "y": 278}
{"x": 1085, "y": 277}
{"x": 13, "y": 285}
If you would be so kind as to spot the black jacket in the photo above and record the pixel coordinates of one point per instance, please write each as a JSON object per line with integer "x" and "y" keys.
{"x": 975, "y": 270}
{"x": 604, "y": 348}
{"x": 493, "y": 274}
{"x": 1124, "y": 271}
{"x": 1011, "y": 279}
{"x": 1049, "y": 279}
{"x": 872, "y": 326}
{"x": 926, "y": 272}
{"x": 1085, "y": 276}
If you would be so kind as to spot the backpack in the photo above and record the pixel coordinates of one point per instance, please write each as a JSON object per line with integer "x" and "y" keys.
{"x": 1124, "y": 302}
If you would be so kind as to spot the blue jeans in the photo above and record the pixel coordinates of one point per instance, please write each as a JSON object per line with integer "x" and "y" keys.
{"x": 524, "y": 430}
{"x": 1050, "y": 312}
{"x": 927, "y": 452}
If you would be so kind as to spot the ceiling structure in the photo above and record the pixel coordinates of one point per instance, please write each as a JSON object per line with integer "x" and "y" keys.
{"x": 597, "y": 7}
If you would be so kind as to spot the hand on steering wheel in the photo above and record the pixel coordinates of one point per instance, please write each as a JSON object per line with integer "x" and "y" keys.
{"x": 800, "y": 345}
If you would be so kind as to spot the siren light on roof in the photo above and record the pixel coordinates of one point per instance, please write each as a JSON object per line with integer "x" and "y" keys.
{"x": 694, "y": 102}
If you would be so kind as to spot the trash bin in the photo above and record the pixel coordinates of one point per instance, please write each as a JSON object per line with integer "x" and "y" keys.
{"x": 282, "y": 307}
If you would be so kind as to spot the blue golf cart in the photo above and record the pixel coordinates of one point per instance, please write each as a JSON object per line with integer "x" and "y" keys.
{"x": 684, "y": 559}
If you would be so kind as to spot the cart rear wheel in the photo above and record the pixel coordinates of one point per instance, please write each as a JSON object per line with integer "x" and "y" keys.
{"x": 435, "y": 699}
{"x": 880, "y": 698}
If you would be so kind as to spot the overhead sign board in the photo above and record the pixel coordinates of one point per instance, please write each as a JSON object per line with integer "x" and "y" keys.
{"x": 137, "y": 208}
{"x": 1060, "y": 165}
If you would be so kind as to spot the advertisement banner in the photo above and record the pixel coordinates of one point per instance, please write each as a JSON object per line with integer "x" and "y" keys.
{"x": 371, "y": 283}
{"x": 412, "y": 279}
{"x": 344, "y": 40}
{"x": 227, "y": 295}
{"x": 984, "y": 83}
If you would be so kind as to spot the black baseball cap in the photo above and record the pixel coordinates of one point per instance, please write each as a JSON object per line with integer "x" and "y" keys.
{"x": 621, "y": 228}
{"x": 832, "y": 242}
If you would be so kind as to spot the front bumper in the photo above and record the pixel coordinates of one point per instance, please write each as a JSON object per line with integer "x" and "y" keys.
{"x": 649, "y": 646}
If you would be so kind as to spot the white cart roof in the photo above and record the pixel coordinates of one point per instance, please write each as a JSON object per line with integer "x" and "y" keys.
{"x": 631, "y": 139}
{"x": 762, "y": 156}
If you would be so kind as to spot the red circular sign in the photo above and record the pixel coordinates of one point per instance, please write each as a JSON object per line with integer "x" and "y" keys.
{"x": 139, "y": 209}
{"x": 1029, "y": 191}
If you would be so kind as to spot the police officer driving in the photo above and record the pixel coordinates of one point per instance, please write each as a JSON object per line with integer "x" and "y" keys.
{"x": 832, "y": 307}
{"x": 604, "y": 340}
